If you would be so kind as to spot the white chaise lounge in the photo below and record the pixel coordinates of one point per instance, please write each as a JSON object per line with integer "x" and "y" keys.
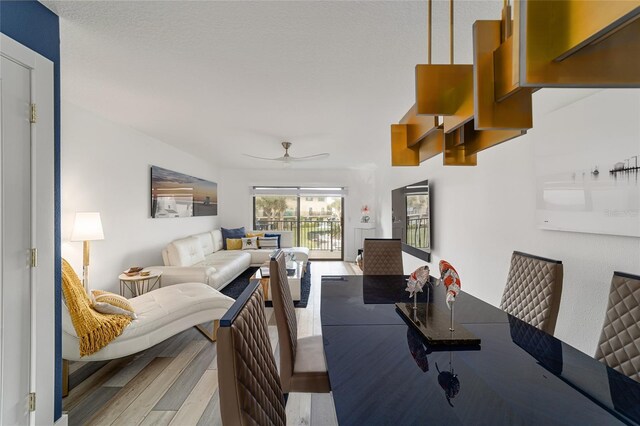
{"x": 161, "y": 313}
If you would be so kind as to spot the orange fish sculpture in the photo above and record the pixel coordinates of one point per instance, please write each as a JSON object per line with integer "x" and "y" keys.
{"x": 449, "y": 276}
{"x": 417, "y": 280}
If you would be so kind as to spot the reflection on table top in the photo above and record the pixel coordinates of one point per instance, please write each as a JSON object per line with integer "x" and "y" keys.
{"x": 359, "y": 300}
{"x": 382, "y": 372}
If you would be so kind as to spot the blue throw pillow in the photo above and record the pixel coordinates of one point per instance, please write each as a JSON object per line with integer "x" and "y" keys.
{"x": 274, "y": 235}
{"x": 231, "y": 233}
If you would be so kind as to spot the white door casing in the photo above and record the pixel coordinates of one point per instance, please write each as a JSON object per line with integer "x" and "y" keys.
{"x": 15, "y": 228}
{"x": 27, "y": 185}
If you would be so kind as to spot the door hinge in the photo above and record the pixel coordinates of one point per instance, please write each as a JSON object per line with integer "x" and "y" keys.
{"x": 34, "y": 114}
{"x": 32, "y": 401}
{"x": 34, "y": 257}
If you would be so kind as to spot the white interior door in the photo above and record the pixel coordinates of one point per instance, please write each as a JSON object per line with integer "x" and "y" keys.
{"x": 27, "y": 220}
{"x": 16, "y": 242}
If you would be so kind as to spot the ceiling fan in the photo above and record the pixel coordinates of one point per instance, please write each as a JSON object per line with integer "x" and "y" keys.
{"x": 286, "y": 158}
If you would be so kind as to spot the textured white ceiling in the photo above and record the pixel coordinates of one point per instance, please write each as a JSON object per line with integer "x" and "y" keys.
{"x": 218, "y": 79}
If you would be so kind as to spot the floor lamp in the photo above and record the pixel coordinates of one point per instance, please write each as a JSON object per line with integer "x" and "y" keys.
{"x": 86, "y": 227}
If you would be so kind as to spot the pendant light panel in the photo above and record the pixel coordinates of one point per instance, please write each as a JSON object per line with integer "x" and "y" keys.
{"x": 401, "y": 154}
{"x": 418, "y": 126}
{"x": 513, "y": 112}
{"x": 576, "y": 43}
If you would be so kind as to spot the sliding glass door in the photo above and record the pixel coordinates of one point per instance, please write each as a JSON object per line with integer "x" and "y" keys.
{"x": 315, "y": 215}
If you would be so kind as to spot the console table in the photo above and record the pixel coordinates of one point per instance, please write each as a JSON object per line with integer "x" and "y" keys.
{"x": 361, "y": 231}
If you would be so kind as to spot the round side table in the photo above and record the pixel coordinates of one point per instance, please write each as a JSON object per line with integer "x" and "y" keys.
{"x": 138, "y": 284}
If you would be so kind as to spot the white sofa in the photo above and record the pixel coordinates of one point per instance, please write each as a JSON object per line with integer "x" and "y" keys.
{"x": 200, "y": 258}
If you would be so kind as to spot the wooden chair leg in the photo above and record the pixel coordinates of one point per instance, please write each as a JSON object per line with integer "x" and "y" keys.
{"x": 65, "y": 377}
{"x": 211, "y": 335}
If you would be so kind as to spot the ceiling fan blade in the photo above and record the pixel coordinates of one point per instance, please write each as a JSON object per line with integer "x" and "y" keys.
{"x": 264, "y": 158}
{"x": 310, "y": 157}
{"x": 286, "y": 158}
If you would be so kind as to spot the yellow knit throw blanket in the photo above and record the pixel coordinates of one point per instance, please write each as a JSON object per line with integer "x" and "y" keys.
{"x": 95, "y": 330}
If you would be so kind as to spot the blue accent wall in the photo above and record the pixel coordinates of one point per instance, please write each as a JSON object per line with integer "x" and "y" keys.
{"x": 33, "y": 25}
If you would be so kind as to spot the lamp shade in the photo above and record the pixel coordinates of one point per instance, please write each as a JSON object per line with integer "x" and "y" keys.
{"x": 87, "y": 227}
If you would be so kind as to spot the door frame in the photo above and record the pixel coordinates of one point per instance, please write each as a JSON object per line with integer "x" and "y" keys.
{"x": 42, "y": 357}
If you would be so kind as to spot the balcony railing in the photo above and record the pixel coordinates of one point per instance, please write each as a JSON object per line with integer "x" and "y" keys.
{"x": 418, "y": 232}
{"x": 325, "y": 235}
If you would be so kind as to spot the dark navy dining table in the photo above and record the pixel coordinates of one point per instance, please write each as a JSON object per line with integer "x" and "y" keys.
{"x": 383, "y": 372}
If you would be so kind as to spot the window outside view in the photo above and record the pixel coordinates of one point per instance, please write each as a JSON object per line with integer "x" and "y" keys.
{"x": 418, "y": 220}
{"x": 318, "y": 224}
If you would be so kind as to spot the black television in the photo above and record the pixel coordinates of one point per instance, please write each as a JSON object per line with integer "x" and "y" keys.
{"x": 411, "y": 219}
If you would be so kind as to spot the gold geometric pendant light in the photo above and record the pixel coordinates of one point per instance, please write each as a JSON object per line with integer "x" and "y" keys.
{"x": 478, "y": 140}
{"x": 513, "y": 112}
{"x": 571, "y": 43}
{"x": 456, "y": 152}
{"x": 447, "y": 90}
{"x": 401, "y": 153}
{"x": 424, "y": 132}
{"x": 417, "y": 137}
{"x": 443, "y": 89}
{"x": 407, "y": 151}
{"x": 463, "y": 143}
{"x": 450, "y": 91}
{"x": 494, "y": 120}
{"x": 549, "y": 43}
{"x": 432, "y": 144}
{"x": 418, "y": 126}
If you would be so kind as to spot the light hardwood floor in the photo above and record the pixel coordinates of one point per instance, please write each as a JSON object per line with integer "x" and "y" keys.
{"x": 176, "y": 381}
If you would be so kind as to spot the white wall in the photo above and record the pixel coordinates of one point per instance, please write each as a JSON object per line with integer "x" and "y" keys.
{"x": 106, "y": 168}
{"x": 481, "y": 214}
{"x": 236, "y": 204}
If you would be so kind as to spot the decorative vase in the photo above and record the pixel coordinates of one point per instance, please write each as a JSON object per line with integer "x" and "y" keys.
{"x": 364, "y": 211}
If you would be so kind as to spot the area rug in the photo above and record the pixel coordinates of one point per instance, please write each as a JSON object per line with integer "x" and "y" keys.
{"x": 237, "y": 286}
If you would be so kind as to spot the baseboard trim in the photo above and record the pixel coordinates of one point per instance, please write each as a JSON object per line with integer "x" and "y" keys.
{"x": 63, "y": 420}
